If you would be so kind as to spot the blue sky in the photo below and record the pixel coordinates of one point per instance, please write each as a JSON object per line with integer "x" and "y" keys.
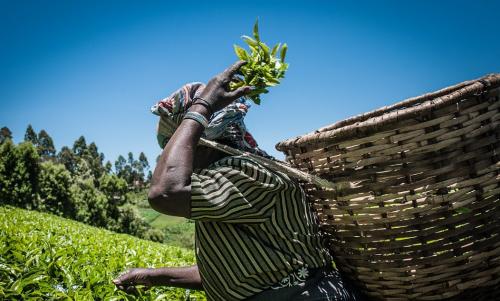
{"x": 94, "y": 68}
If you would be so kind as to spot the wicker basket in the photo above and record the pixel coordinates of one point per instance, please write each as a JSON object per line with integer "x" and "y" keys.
{"x": 415, "y": 211}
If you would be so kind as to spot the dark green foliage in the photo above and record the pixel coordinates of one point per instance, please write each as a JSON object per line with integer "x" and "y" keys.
{"x": 263, "y": 69}
{"x": 91, "y": 203}
{"x": 143, "y": 161}
{"x": 132, "y": 170}
{"x": 120, "y": 165}
{"x": 19, "y": 170}
{"x": 80, "y": 146}
{"x": 45, "y": 146}
{"x": 114, "y": 187}
{"x": 73, "y": 184}
{"x": 68, "y": 159}
{"x": 158, "y": 236}
{"x": 115, "y": 190}
{"x": 130, "y": 221}
{"x": 108, "y": 167}
{"x": 54, "y": 183}
{"x": 67, "y": 184}
{"x": 8, "y": 163}
{"x": 30, "y": 135}
{"x": 5, "y": 134}
{"x": 94, "y": 160}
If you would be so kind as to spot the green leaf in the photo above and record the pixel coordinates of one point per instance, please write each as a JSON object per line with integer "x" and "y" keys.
{"x": 255, "y": 99}
{"x": 235, "y": 85}
{"x": 275, "y": 49}
{"x": 271, "y": 82}
{"x": 258, "y": 91}
{"x": 266, "y": 50}
{"x": 256, "y": 30}
{"x": 241, "y": 53}
{"x": 250, "y": 41}
{"x": 283, "y": 52}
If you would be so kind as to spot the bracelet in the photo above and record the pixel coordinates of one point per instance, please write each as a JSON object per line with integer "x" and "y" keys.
{"x": 197, "y": 117}
{"x": 204, "y": 103}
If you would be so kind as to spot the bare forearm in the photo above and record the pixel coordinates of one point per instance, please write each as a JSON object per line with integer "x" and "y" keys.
{"x": 184, "y": 277}
{"x": 170, "y": 191}
{"x": 175, "y": 165}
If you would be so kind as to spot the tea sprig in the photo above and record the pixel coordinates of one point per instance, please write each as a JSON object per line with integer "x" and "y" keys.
{"x": 264, "y": 67}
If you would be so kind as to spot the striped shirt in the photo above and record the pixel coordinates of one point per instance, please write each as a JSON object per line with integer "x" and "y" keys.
{"x": 253, "y": 228}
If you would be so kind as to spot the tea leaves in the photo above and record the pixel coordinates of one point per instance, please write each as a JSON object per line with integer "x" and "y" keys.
{"x": 44, "y": 257}
{"x": 263, "y": 69}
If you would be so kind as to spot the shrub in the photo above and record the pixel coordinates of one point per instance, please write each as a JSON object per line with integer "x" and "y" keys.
{"x": 44, "y": 257}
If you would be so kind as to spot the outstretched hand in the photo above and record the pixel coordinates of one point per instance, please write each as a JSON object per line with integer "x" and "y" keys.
{"x": 129, "y": 281}
{"x": 217, "y": 92}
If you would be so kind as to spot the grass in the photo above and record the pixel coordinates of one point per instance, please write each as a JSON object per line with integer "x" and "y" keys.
{"x": 148, "y": 214}
{"x": 178, "y": 231}
{"x": 45, "y": 257}
{"x": 163, "y": 221}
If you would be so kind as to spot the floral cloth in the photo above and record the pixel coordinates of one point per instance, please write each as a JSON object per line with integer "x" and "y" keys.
{"x": 226, "y": 125}
{"x": 295, "y": 278}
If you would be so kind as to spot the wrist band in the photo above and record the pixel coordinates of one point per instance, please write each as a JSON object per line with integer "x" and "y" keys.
{"x": 197, "y": 117}
{"x": 204, "y": 103}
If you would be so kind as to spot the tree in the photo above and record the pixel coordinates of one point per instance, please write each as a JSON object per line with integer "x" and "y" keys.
{"x": 26, "y": 175}
{"x": 114, "y": 188}
{"x": 80, "y": 146}
{"x": 93, "y": 151}
{"x": 46, "y": 147}
{"x": 90, "y": 203}
{"x": 131, "y": 222}
{"x": 108, "y": 167}
{"x": 94, "y": 158}
{"x": 68, "y": 159}
{"x": 130, "y": 158}
{"x": 8, "y": 162}
{"x": 135, "y": 170}
{"x": 54, "y": 183}
{"x": 143, "y": 161}
{"x": 19, "y": 170}
{"x": 120, "y": 165}
{"x": 5, "y": 134}
{"x": 30, "y": 135}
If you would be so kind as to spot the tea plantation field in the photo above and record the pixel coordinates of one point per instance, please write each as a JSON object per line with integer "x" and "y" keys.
{"x": 44, "y": 257}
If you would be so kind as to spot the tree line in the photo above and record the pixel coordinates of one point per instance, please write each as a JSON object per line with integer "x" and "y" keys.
{"x": 74, "y": 182}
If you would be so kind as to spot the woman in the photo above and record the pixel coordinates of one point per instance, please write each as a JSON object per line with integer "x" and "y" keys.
{"x": 256, "y": 238}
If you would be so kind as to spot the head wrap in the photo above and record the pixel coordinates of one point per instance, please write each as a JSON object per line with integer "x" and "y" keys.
{"x": 226, "y": 125}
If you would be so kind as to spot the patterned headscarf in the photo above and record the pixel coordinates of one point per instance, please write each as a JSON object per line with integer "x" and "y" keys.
{"x": 226, "y": 125}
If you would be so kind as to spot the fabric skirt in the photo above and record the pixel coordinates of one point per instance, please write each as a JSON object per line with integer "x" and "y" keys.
{"x": 324, "y": 284}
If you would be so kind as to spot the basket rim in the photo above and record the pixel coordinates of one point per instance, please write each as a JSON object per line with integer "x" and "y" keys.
{"x": 386, "y": 115}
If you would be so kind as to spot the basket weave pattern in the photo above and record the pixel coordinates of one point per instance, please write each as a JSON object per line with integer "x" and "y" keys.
{"x": 415, "y": 211}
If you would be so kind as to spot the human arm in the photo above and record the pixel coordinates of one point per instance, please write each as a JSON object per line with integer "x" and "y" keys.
{"x": 183, "y": 277}
{"x": 170, "y": 191}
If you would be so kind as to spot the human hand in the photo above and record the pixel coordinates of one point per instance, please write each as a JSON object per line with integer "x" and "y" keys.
{"x": 217, "y": 92}
{"x": 139, "y": 276}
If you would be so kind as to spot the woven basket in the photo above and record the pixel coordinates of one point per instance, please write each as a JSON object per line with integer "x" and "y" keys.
{"x": 415, "y": 211}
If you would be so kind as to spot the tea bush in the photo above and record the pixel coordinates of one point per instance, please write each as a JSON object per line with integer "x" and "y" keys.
{"x": 45, "y": 257}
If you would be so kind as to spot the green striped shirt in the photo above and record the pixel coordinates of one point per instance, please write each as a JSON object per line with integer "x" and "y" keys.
{"x": 253, "y": 228}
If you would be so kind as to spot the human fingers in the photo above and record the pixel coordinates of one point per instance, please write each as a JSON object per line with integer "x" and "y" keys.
{"x": 131, "y": 277}
{"x": 241, "y": 91}
{"x": 123, "y": 280}
{"x": 231, "y": 71}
